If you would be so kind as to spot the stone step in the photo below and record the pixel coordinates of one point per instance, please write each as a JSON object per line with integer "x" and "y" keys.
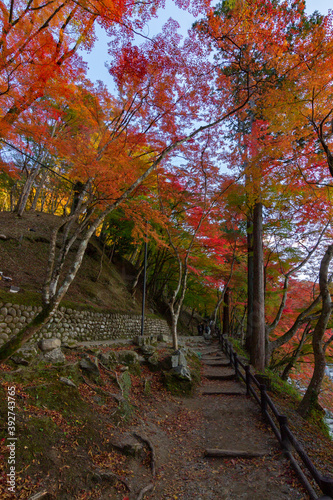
{"x": 210, "y": 351}
{"x": 219, "y": 453}
{"x": 222, "y": 363}
{"x": 216, "y": 391}
{"x": 211, "y": 376}
{"x": 213, "y": 358}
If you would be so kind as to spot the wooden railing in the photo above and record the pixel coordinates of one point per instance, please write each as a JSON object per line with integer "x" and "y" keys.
{"x": 279, "y": 425}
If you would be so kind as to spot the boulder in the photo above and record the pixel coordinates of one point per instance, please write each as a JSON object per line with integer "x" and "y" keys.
{"x": 89, "y": 366}
{"x": 141, "y": 340}
{"x": 127, "y": 444}
{"x": 108, "y": 358}
{"x": 25, "y": 355}
{"x": 19, "y": 361}
{"x": 67, "y": 381}
{"x": 182, "y": 372}
{"x": 178, "y": 358}
{"x": 46, "y": 345}
{"x": 154, "y": 360}
{"x": 162, "y": 337}
{"x": 148, "y": 350}
{"x": 54, "y": 356}
{"x": 174, "y": 361}
{"x": 128, "y": 357}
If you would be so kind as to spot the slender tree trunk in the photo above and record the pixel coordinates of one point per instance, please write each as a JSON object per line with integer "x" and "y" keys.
{"x": 38, "y": 190}
{"x": 258, "y": 334}
{"x": 310, "y": 398}
{"x": 10, "y": 347}
{"x": 174, "y": 323}
{"x": 296, "y": 354}
{"x": 13, "y": 192}
{"x": 24, "y": 196}
{"x": 249, "y": 321}
{"x": 226, "y": 305}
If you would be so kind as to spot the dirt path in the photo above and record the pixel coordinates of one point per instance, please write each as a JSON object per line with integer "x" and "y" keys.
{"x": 182, "y": 431}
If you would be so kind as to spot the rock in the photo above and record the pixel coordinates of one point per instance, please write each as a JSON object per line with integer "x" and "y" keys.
{"x": 54, "y": 356}
{"x": 178, "y": 358}
{"x": 182, "y": 372}
{"x": 154, "y": 360}
{"x": 46, "y": 345}
{"x": 108, "y": 358}
{"x": 141, "y": 340}
{"x": 128, "y": 445}
{"x": 89, "y": 366}
{"x": 103, "y": 358}
{"x": 67, "y": 381}
{"x": 163, "y": 338}
{"x": 25, "y": 355}
{"x": 128, "y": 357}
{"x": 3, "y": 237}
{"x": 148, "y": 350}
{"x": 19, "y": 361}
{"x": 182, "y": 358}
{"x": 4, "y": 336}
{"x": 174, "y": 361}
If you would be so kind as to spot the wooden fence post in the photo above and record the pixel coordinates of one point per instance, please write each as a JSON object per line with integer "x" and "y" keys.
{"x": 283, "y": 421}
{"x": 236, "y": 365}
{"x": 326, "y": 485}
{"x": 263, "y": 399}
{"x": 248, "y": 380}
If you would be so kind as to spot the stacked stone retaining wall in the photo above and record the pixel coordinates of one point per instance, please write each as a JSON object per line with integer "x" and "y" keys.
{"x": 71, "y": 325}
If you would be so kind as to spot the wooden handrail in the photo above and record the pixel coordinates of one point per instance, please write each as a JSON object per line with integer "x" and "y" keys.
{"x": 280, "y": 428}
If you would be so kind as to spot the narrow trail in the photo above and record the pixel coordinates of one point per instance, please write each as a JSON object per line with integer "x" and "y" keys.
{"x": 219, "y": 420}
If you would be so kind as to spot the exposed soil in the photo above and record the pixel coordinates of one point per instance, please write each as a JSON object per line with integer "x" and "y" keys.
{"x": 24, "y": 256}
{"x": 71, "y": 441}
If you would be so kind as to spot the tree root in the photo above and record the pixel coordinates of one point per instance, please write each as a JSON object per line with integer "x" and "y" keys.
{"x": 98, "y": 390}
{"x": 152, "y": 450}
{"x": 111, "y": 476}
{"x": 112, "y": 374}
{"x": 145, "y": 490}
{"x": 38, "y": 495}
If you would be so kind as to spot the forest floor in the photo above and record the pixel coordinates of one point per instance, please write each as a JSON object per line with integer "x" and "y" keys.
{"x": 86, "y": 443}
{"x": 24, "y": 248}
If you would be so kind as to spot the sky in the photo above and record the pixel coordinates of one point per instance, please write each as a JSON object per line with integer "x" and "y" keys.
{"x": 99, "y": 55}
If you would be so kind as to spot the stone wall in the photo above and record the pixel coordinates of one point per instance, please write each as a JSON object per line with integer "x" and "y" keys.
{"x": 71, "y": 325}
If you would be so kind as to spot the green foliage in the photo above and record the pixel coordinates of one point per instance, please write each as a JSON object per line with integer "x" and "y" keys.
{"x": 238, "y": 348}
{"x": 117, "y": 230}
{"x": 125, "y": 384}
{"x": 177, "y": 386}
{"x": 281, "y": 387}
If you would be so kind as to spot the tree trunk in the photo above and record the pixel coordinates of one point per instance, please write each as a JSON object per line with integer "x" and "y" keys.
{"x": 10, "y": 347}
{"x": 258, "y": 333}
{"x": 24, "y": 196}
{"x": 174, "y": 323}
{"x": 39, "y": 190}
{"x": 226, "y": 304}
{"x": 295, "y": 354}
{"x": 310, "y": 398}
{"x": 249, "y": 321}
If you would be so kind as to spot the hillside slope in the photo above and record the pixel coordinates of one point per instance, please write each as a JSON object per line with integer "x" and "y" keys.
{"x": 24, "y": 245}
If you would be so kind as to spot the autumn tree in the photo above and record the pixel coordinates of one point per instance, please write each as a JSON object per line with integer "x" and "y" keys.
{"x": 39, "y": 43}
{"x": 113, "y": 145}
